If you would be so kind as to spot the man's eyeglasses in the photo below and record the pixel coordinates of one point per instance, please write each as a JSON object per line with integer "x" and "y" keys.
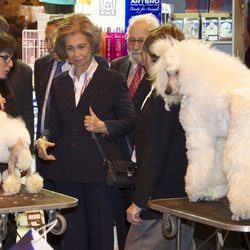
{"x": 6, "y": 59}
{"x": 132, "y": 41}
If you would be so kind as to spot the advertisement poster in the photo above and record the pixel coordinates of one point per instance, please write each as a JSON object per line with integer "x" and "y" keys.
{"x": 138, "y": 7}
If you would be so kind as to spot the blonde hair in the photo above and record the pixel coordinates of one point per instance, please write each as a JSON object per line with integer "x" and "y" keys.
{"x": 73, "y": 24}
{"x": 165, "y": 30}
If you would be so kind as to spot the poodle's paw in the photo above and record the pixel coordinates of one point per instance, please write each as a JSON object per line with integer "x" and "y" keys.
{"x": 240, "y": 210}
{"x": 240, "y": 217}
{"x": 217, "y": 192}
{"x": 209, "y": 194}
{"x": 24, "y": 159}
{"x": 34, "y": 183}
{"x": 11, "y": 184}
{"x": 198, "y": 198}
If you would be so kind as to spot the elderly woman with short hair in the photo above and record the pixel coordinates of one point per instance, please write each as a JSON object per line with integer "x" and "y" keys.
{"x": 87, "y": 98}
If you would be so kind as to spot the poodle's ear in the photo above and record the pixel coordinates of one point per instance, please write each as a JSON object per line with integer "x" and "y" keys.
{"x": 159, "y": 74}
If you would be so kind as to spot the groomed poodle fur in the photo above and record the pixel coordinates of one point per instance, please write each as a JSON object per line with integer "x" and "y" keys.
{"x": 214, "y": 90}
{"x": 14, "y": 150}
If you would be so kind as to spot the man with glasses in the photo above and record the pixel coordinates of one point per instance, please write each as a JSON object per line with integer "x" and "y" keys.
{"x": 138, "y": 86}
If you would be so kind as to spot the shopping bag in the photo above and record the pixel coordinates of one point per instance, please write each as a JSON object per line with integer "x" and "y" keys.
{"x": 33, "y": 240}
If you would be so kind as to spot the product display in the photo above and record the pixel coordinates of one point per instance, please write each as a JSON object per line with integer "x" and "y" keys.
{"x": 114, "y": 44}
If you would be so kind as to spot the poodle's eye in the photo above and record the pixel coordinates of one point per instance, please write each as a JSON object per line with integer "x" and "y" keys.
{"x": 177, "y": 72}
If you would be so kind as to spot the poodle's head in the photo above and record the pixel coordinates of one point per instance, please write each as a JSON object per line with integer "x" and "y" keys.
{"x": 165, "y": 71}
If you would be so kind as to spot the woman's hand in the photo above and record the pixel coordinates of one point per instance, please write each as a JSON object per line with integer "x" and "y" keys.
{"x": 133, "y": 214}
{"x": 42, "y": 145}
{"x": 93, "y": 124}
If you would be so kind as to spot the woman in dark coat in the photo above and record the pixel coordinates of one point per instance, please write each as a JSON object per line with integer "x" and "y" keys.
{"x": 87, "y": 98}
{"x": 15, "y": 100}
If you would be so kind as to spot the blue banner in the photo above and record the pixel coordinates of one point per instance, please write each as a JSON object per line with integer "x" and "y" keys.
{"x": 138, "y": 7}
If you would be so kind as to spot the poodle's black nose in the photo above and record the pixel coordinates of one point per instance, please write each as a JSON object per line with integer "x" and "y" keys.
{"x": 168, "y": 90}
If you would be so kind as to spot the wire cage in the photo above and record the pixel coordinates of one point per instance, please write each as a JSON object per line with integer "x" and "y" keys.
{"x": 33, "y": 46}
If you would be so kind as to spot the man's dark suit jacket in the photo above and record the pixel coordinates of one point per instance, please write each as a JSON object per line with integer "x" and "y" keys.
{"x": 42, "y": 69}
{"x": 77, "y": 158}
{"x": 123, "y": 65}
{"x": 160, "y": 154}
{"x": 124, "y": 198}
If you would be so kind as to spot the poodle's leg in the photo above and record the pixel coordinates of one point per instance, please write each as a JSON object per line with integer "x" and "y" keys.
{"x": 14, "y": 150}
{"x": 11, "y": 182}
{"x": 218, "y": 186}
{"x": 202, "y": 181}
{"x": 236, "y": 161}
{"x": 34, "y": 182}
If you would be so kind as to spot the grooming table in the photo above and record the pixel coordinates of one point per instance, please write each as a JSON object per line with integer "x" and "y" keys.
{"x": 45, "y": 200}
{"x": 211, "y": 213}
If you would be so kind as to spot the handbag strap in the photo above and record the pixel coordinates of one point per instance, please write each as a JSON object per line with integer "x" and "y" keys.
{"x": 129, "y": 145}
{"x": 99, "y": 146}
{"x": 100, "y": 149}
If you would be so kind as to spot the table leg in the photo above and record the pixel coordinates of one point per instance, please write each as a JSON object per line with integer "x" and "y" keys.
{"x": 3, "y": 228}
{"x": 178, "y": 237}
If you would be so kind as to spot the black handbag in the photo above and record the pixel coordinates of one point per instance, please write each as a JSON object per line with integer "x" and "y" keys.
{"x": 120, "y": 174}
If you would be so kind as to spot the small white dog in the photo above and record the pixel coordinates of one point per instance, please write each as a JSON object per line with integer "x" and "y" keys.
{"x": 14, "y": 150}
{"x": 214, "y": 89}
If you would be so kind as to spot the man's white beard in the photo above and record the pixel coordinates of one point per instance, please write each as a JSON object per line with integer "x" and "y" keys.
{"x": 134, "y": 59}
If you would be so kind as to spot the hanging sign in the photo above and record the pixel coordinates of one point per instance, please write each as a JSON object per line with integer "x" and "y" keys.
{"x": 138, "y": 7}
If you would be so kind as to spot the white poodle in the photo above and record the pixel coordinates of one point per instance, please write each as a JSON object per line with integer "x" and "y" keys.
{"x": 14, "y": 150}
{"x": 214, "y": 90}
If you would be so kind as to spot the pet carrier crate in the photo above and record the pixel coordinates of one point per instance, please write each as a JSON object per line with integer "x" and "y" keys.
{"x": 33, "y": 46}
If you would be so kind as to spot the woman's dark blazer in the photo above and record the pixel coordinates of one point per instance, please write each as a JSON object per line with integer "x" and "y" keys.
{"x": 20, "y": 83}
{"x": 160, "y": 154}
{"x": 77, "y": 158}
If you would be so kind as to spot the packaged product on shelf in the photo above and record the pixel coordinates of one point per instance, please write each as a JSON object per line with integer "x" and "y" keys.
{"x": 225, "y": 25}
{"x": 109, "y": 45}
{"x": 118, "y": 41}
{"x": 191, "y": 27}
{"x": 210, "y": 28}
